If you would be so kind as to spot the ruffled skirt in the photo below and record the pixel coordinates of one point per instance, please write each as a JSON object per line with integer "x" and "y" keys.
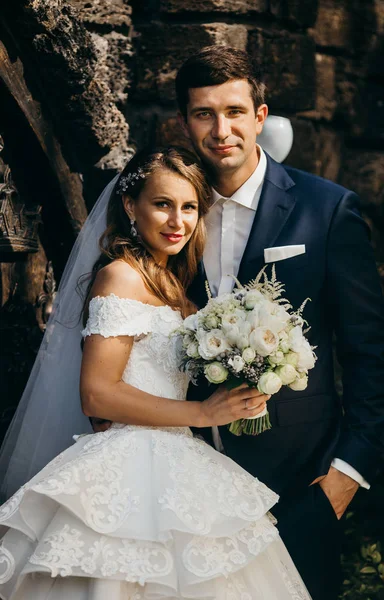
{"x": 140, "y": 513}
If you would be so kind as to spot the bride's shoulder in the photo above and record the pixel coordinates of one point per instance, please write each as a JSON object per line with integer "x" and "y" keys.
{"x": 119, "y": 279}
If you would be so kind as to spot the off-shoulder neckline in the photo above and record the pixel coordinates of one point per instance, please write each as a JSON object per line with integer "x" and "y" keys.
{"x": 135, "y": 301}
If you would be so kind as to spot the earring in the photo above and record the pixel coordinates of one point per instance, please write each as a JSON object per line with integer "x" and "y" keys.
{"x": 133, "y": 229}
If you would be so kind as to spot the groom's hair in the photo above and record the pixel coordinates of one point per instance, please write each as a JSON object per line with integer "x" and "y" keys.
{"x": 214, "y": 65}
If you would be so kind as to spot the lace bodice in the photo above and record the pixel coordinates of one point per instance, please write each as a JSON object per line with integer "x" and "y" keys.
{"x": 153, "y": 365}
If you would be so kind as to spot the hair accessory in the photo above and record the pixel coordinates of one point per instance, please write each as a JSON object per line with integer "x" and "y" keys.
{"x": 133, "y": 228}
{"x": 130, "y": 179}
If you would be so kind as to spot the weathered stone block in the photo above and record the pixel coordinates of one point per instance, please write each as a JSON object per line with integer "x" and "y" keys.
{"x": 329, "y": 147}
{"x": 325, "y": 86}
{"x": 226, "y": 6}
{"x": 104, "y": 12}
{"x": 115, "y": 63}
{"x": 350, "y": 25}
{"x": 315, "y": 149}
{"x": 169, "y": 132}
{"x": 86, "y": 118}
{"x": 363, "y": 172}
{"x": 163, "y": 48}
{"x": 288, "y": 63}
{"x": 302, "y": 12}
{"x": 303, "y": 152}
{"x": 360, "y": 105}
{"x": 333, "y": 26}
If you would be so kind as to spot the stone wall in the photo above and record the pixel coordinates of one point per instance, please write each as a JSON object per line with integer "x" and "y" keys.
{"x": 324, "y": 69}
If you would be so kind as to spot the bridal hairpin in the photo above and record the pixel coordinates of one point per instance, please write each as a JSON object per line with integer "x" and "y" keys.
{"x": 126, "y": 180}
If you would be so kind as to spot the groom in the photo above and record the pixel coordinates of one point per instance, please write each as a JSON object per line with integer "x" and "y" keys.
{"x": 320, "y": 448}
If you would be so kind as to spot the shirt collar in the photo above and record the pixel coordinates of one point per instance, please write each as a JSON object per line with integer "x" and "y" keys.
{"x": 246, "y": 194}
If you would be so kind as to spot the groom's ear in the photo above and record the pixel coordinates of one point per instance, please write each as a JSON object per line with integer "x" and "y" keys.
{"x": 183, "y": 124}
{"x": 261, "y": 115}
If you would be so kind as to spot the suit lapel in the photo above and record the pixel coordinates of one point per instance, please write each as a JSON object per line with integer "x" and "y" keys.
{"x": 276, "y": 204}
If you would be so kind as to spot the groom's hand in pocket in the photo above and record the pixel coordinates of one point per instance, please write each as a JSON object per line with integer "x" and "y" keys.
{"x": 339, "y": 489}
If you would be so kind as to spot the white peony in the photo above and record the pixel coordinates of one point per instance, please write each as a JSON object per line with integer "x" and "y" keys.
{"x": 191, "y": 322}
{"x": 253, "y": 317}
{"x": 263, "y": 341}
{"x": 237, "y": 333}
{"x": 269, "y": 383}
{"x": 237, "y": 363}
{"x": 215, "y": 372}
{"x": 306, "y": 357}
{"x": 296, "y": 338}
{"x": 252, "y": 298}
{"x": 273, "y": 316}
{"x": 229, "y": 319}
{"x": 287, "y": 374}
{"x": 211, "y": 343}
{"x": 248, "y": 355}
{"x": 300, "y": 383}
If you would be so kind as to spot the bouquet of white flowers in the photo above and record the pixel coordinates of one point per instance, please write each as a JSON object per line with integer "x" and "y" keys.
{"x": 251, "y": 335}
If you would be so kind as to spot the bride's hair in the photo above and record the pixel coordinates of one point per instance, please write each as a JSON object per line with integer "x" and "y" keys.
{"x": 117, "y": 242}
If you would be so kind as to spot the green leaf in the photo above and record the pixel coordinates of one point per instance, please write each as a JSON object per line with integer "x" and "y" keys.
{"x": 368, "y": 570}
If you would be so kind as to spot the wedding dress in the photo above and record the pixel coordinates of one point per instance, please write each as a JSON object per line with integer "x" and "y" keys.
{"x": 143, "y": 513}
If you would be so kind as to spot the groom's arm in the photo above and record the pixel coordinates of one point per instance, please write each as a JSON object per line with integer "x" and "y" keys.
{"x": 356, "y": 307}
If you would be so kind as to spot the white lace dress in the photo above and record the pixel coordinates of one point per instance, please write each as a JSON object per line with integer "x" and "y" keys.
{"x": 143, "y": 513}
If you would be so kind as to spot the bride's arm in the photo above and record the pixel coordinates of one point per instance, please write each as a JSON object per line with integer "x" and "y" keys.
{"x": 103, "y": 393}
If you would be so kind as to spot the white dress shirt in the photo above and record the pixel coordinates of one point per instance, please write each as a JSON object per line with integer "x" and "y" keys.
{"x": 229, "y": 223}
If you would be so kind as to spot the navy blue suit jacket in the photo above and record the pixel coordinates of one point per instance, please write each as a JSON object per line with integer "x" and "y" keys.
{"x": 339, "y": 274}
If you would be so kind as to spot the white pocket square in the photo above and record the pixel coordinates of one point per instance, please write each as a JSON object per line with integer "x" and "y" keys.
{"x": 282, "y": 252}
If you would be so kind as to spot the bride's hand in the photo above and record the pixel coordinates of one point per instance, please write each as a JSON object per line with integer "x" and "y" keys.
{"x": 225, "y": 406}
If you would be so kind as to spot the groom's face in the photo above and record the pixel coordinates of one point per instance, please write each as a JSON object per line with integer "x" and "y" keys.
{"x": 222, "y": 125}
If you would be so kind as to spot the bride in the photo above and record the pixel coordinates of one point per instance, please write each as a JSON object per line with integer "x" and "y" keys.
{"x": 144, "y": 510}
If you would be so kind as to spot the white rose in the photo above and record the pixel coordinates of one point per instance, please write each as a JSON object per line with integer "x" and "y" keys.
{"x": 211, "y": 343}
{"x": 237, "y": 363}
{"x": 263, "y": 341}
{"x": 276, "y": 358}
{"x": 193, "y": 350}
{"x": 273, "y": 316}
{"x": 291, "y": 358}
{"x": 248, "y": 355}
{"x": 211, "y": 322}
{"x": 269, "y": 383}
{"x": 306, "y": 357}
{"x": 252, "y": 298}
{"x": 215, "y": 372}
{"x": 300, "y": 383}
{"x": 287, "y": 374}
{"x": 191, "y": 322}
